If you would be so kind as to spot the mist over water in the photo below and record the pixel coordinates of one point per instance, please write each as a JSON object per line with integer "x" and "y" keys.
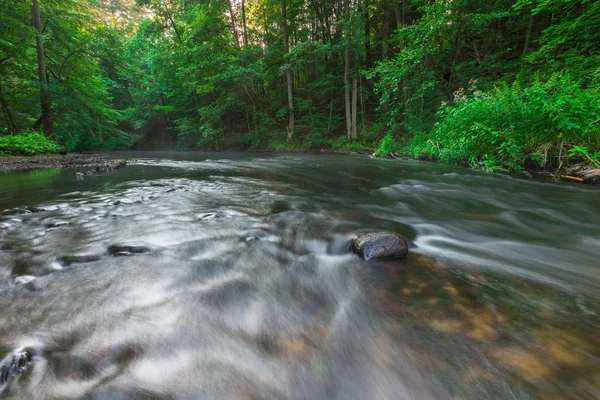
{"x": 228, "y": 276}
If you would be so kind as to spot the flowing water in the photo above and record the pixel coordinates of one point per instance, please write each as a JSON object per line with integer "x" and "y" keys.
{"x": 230, "y": 276}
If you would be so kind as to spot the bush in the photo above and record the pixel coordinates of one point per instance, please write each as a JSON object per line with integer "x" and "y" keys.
{"x": 387, "y": 146}
{"x": 504, "y": 127}
{"x": 28, "y": 144}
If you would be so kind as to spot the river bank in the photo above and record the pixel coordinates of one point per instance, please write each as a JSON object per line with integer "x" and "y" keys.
{"x": 71, "y": 160}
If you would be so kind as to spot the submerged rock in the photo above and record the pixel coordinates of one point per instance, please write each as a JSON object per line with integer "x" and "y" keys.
{"x": 117, "y": 164}
{"x": 24, "y": 279}
{"x": 127, "y": 249}
{"x": 425, "y": 156}
{"x": 101, "y": 169}
{"x": 280, "y": 206}
{"x": 380, "y": 246}
{"x": 208, "y": 216}
{"x": 25, "y": 210}
{"x": 78, "y": 258}
{"x": 12, "y": 366}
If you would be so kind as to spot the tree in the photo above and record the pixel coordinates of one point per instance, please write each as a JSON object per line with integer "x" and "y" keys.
{"x": 45, "y": 101}
{"x": 288, "y": 72}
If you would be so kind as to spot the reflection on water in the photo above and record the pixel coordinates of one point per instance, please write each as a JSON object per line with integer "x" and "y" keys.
{"x": 230, "y": 276}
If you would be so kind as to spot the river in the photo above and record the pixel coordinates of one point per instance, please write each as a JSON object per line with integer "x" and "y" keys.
{"x": 229, "y": 276}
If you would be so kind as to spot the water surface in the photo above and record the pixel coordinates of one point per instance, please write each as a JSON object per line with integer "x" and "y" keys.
{"x": 240, "y": 282}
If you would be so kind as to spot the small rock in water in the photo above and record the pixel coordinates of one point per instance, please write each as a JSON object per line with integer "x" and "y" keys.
{"x": 122, "y": 249}
{"x": 24, "y": 279}
{"x": 123, "y": 254}
{"x": 78, "y": 258}
{"x": 280, "y": 206}
{"x": 57, "y": 224}
{"x": 207, "y": 216}
{"x": 27, "y": 210}
{"x": 117, "y": 164}
{"x": 101, "y": 169}
{"x": 12, "y": 366}
{"x": 380, "y": 246}
{"x": 424, "y": 156}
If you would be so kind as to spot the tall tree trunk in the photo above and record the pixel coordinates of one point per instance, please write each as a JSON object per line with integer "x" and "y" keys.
{"x": 347, "y": 87}
{"x": 354, "y": 105}
{"x": 288, "y": 73}
{"x": 44, "y": 93}
{"x": 385, "y": 34}
{"x": 233, "y": 29}
{"x": 245, "y": 28}
{"x": 398, "y": 13}
{"x": 10, "y": 122}
{"x": 528, "y": 35}
{"x": 369, "y": 60}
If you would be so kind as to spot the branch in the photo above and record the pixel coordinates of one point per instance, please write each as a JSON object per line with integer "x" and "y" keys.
{"x": 52, "y": 72}
{"x": 62, "y": 65}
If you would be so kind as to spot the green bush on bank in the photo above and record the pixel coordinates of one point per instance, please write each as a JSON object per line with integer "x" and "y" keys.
{"x": 27, "y": 144}
{"x": 387, "y": 146}
{"x": 506, "y": 126}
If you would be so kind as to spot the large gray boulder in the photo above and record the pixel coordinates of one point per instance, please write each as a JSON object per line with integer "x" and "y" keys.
{"x": 380, "y": 246}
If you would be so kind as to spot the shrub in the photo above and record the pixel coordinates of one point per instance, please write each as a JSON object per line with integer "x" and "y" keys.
{"x": 28, "y": 144}
{"x": 504, "y": 127}
{"x": 387, "y": 146}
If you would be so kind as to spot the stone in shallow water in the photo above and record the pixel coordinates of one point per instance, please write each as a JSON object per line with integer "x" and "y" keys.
{"x": 380, "y": 246}
{"x": 122, "y": 249}
{"x": 12, "y": 366}
{"x": 24, "y": 279}
{"x": 119, "y": 164}
{"x": 78, "y": 258}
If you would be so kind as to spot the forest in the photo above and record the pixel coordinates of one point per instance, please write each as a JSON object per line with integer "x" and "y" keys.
{"x": 496, "y": 85}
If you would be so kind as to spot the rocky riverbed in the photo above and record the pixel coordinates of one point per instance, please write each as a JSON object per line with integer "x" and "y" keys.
{"x": 75, "y": 160}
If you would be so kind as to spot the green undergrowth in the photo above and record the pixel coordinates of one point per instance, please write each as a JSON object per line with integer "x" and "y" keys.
{"x": 28, "y": 144}
{"x": 548, "y": 122}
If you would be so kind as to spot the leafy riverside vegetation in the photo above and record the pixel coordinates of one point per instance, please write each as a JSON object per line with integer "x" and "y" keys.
{"x": 492, "y": 84}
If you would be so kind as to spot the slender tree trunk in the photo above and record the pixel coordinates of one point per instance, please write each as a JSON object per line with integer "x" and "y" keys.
{"x": 347, "y": 87}
{"x": 528, "y": 34}
{"x": 403, "y": 12}
{"x": 288, "y": 73}
{"x": 233, "y": 29}
{"x": 362, "y": 104}
{"x": 354, "y": 105}
{"x": 385, "y": 34}
{"x": 330, "y": 114}
{"x": 397, "y": 12}
{"x": 45, "y": 101}
{"x": 245, "y": 28}
{"x": 10, "y": 122}
{"x": 369, "y": 60}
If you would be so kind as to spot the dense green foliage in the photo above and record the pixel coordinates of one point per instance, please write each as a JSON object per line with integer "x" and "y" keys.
{"x": 27, "y": 144}
{"x": 489, "y": 83}
{"x": 506, "y": 125}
